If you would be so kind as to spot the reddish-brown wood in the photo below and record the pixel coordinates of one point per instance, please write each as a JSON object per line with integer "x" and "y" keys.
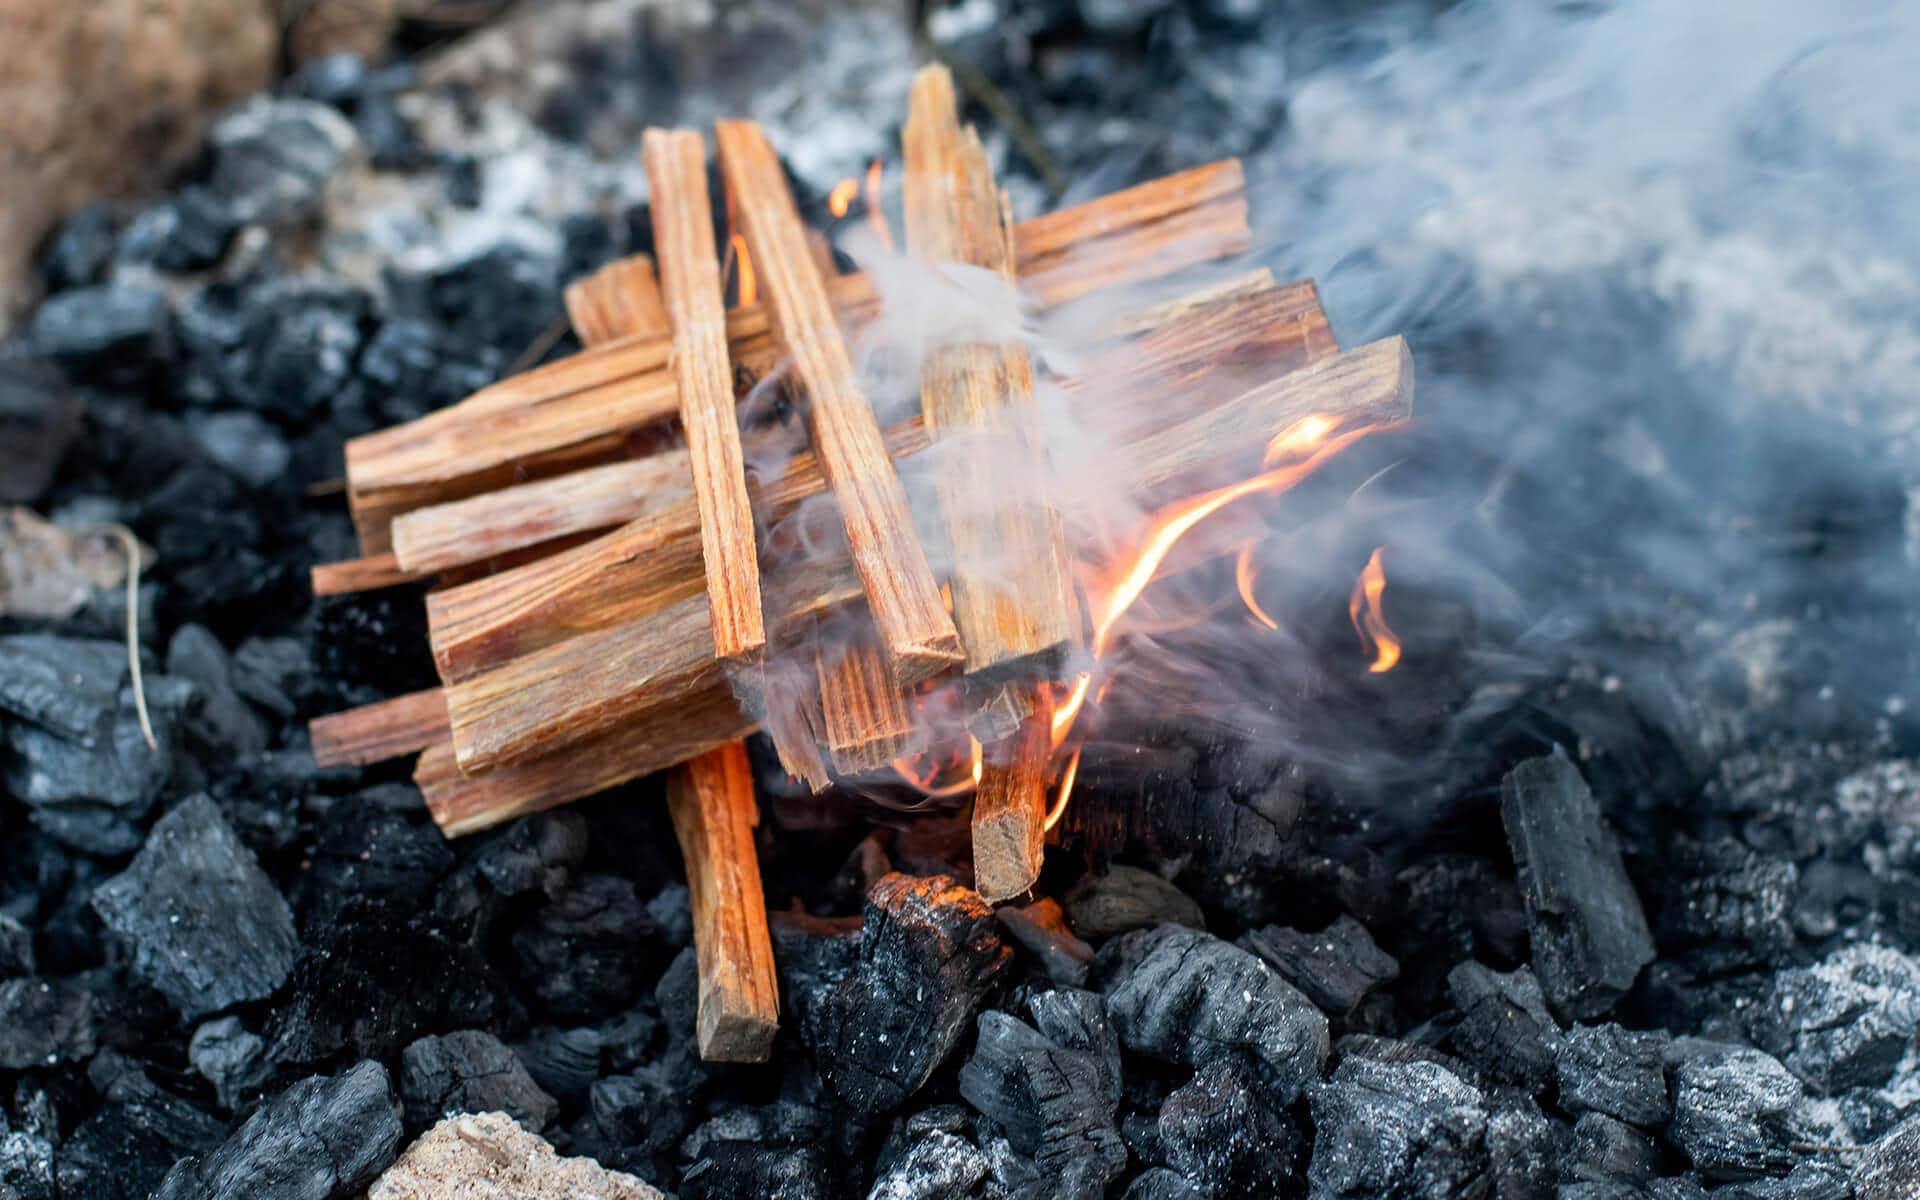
{"x": 1010, "y": 807}
{"x": 376, "y": 732}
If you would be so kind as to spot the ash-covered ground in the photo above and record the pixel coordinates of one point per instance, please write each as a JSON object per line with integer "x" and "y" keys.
{"x": 1610, "y": 890}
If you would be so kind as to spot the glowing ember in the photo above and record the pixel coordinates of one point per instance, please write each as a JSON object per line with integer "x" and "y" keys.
{"x": 840, "y": 199}
{"x": 876, "y": 215}
{"x": 743, "y": 264}
{"x": 1363, "y": 608}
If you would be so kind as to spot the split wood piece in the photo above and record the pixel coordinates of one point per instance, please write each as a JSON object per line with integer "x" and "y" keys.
{"x": 915, "y": 629}
{"x": 654, "y": 560}
{"x": 574, "y": 412}
{"x": 869, "y": 720}
{"x": 376, "y": 732}
{"x": 1010, "y": 808}
{"x": 359, "y": 575}
{"x": 656, "y": 697}
{"x": 676, "y": 163}
{"x": 621, "y": 299}
{"x": 1011, "y": 594}
{"x": 712, "y": 803}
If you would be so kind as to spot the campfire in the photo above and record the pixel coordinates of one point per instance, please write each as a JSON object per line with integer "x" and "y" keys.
{"x": 616, "y": 601}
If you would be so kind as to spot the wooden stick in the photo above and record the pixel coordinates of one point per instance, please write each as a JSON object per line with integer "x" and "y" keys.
{"x": 359, "y": 575}
{"x": 375, "y": 732}
{"x": 712, "y": 803}
{"x": 1010, "y": 591}
{"x": 690, "y": 276}
{"x": 621, "y": 299}
{"x": 868, "y": 719}
{"x": 575, "y": 412}
{"x": 1210, "y": 351}
{"x": 1010, "y": 808}
{"x": 915, "y": 630}
{"x": 618, "y": 701}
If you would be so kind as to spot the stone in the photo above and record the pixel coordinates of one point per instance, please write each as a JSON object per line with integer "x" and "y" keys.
{"x": 45, "y": 1023}
{"x": 487, "y": 1156}
{"x": 1188, "y": 997}
{"x": 49, "y": 572}
{"x": 119, "y": 324}
{"x": 1890, "y": 1166}
{"x": 1589, "y": 933}
{"x": 1619, "y": 1072}
{"x": 1128, "y": 898}
{"x": 324, "y": 1137}
{"x": 928, "y": 952}
{"x": 1844, "y": 1022}
{"x": 1413, "y": 1130}
{"x": 938, "y": 1166}
{"x": 469, "y": 1071}
{"x": 231, "y": 1058}
{"x": 1334, "y": 968}
{"x": 104, "y": 99}
{"x": 273, "y": 158}
{"x": 202, "y": 921}
{"x": 1216, "y": 1131}
{"x": 1735, "y": 1110}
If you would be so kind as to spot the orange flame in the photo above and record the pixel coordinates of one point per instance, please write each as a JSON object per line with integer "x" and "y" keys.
{"x": 876, "y": 214}
{"x": 1244, "y": 574}
{"x": 1059, "y": 808}
{"x": 743, "y": 267}
{"x": 840, "y": 199}
{"x": 936, "y": 780}
{"x": 1363, "y": 609}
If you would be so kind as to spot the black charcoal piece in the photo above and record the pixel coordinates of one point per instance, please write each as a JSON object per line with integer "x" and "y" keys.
{"x": 1604, "y": 1150}
{"x": 637, "y": 1121}
{"x": 39, "y": 419}
{"x": 231, "y": 1058}
{"x": 1041, "y": 930}
{"x": 245, "y": 444}
{"x": 1845, "y": 1022}
{"x": 63, "y": 685}
{"x": 1128, "y": 898}
{"x": 730, "y": 1169}
{"x": 201, "y": 919}
{"x": 537, "y": 854}
{"x": 272, "y": 158}
{"x": 364, "y": 852}
{"x": 221, "y": 720}
{"x": 928, "y": 953}
{"x": 1162, "y": 1184}
{"x": 26, "y": 1165}
{"x": 1188, "y": 997}
{"x": 672, "y": 913}
{"x": 1731, "y": 904}
{"x": 1616, "y": 1071}
{"x": 45, "y": 1023}
{"x": 127, "y": 1144}
{"x": 1412, "y": 1130}
{"x": 80, "y": 250}
{"x": 1056, "y": 1103}
{"x": 324, "y": 1137}
{"x": 1334, "y": 968}
{"x": 186, "y": 232}
{"x": 1524, "y": 1147}
{"x": 88, "y": 327}
{"x": 1121, "y": 18}
{"x": 937, "y": 1166}
{"x": 1808, "y": 1181}
{"x": 1889, "y": 1167}
{"x": 1736, "y": 1110}
{"x": 564, "y": 1062}
{"x": 16, "y": 947}
{"x": 1589, "y": 933}
{"x": 1505, "y": 1043}
{"x": 469, "y": 1071}
{"x": 1217, "y": 1132}
{"x": 584, "y": 950}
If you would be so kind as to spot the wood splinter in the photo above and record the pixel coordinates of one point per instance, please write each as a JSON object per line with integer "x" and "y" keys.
{"x": 1010, "y": 807}
{"x": 712, "y": 804}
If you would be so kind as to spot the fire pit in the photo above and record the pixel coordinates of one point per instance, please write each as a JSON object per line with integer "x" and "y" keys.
{"x": 809, "y": 608}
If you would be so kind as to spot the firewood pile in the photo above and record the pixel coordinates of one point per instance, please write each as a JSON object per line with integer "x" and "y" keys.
{"x": 613, "y": 601}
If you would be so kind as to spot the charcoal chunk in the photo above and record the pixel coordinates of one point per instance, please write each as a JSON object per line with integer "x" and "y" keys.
{"x": 39, "y": 419}
{"x": 80, "y": 250}
{"x": 1041, "y": 930}
{"x": 222, "y": 719}
{"x": 1128, "y": 898}
{"x": 1608, "y": 1151}
{"x": 1414, "y": 1130}
{"x": 928, "y": 954}
{"x": 203, "y": 922}
{"x": 324, "y": 1137}
{"x": 44, "y": 1023}
{"x": 1808, "y": 1181}
{"x": 1188, "y": 997}
{"x": 185, "y": 232}
{"x": 584, "y": 951}
{"x": 272, "y": 158}
{"x": 245, "y": 444}
{"x": 1162, "y": 1184}
{"x": 1054, "y": 1092}
{"x": 1523, "y": 1147}
{"x": 1845, "y": 1022}
{"x": 26, "y": 1165}
{"x": 537, "y": 854}
{"x": 1619, "y": 1072}
{"x": 1216, "y": 1131}
{"x": 1589, "y": 934}
{"x": 128, "y": 1143}
{"x": 16, "y": 948}
{"x": 1889, "y": 1167}
{"x": 469, "y": 1071}
{"x": 230, "y": 1057}
{"x": 1735, "y": 1111}
{"x": 564, "y": 1062}
{"x": 1733, "y": 906}
{"x": 939, "y": 1166}
{"x": 1334, "y": 968}
{"x": 637, "y": 1121}
{"x": 123, "y": 324}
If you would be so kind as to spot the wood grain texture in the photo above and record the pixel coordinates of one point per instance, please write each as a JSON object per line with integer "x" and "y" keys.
{"x": 1011, "y": 595}
{"x": 621, "y": 299}
{"x": 915, "y": 629}
{"x": 376, "y": 732}
{"x": 676, "y": 163}
{"x": 711, "y": 800}
{"x": 359, "y": 575}
{"x": 868, "y": 719}
{"x": 1010, "y": 808}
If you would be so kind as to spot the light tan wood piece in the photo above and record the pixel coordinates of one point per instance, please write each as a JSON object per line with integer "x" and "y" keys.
{"x": 1010, "y": 808}
{"x": 868, "y": 720}
{"x": 712, "y": 802}
{"x": 915, "y": 629}
{"x": 621, "y": 299}
{"x": 676, "y": 163}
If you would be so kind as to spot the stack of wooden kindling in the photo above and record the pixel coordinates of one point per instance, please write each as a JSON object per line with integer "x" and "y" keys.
{"x": 614, "y": 601}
